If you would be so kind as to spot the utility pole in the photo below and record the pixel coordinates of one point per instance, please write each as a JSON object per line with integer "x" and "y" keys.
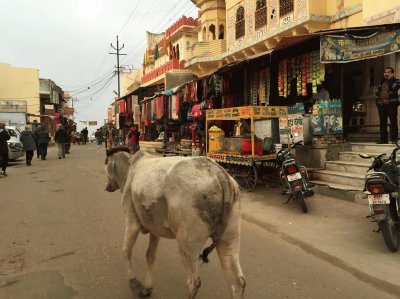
{"x": 73, "y": 100}
{"x": 118, "y": 54}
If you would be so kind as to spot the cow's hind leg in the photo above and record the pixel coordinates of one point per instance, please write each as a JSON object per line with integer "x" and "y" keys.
{"x": 132, "y": 230}
{"x": 150, "y": 257}
{"x": 228, "y": 252}
{"x": 190, "y": 247}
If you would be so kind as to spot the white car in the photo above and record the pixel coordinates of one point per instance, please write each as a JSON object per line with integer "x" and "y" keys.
{"x": 92, "y": 138}
{"x": 14, "y": 145}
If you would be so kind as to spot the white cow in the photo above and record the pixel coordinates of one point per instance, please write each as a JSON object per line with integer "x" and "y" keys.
{"x": 189, "y": 199}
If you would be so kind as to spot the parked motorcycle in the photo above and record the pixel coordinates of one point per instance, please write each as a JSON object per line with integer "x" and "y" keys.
{"x": 382, "y": 188}
{"x": 118, "y": 141}
{"x": 294, "y": 177}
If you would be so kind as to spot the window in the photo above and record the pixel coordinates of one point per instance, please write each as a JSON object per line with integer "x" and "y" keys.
{"x": 261, "y": 14}
{"x": 221, "y": 32}
{"x": 285, "y": 7}
{"x": 240, "y": 23}
{"x": 211, "y": 32}
{"x": 177, "y": 51}
{"x": 187, "y": 45}
{"x": 204, "y": 34}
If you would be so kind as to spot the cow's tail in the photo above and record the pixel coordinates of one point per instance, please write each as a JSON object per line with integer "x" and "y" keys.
{"x": 230, "y": 192}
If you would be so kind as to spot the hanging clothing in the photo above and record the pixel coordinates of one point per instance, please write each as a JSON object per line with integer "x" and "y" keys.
{"x": 174, "y": 107}
{"x": 152, "y": 110}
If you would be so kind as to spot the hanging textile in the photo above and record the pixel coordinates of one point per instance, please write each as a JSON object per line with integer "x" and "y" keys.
{"x": 175, "y": 107}
{"x": 261, "y": 87}
{"x": 152, "y": 110}
{"x": 122, "y": 106}
{"x": 147, "y": 116}
{"x": 161, "y": 107}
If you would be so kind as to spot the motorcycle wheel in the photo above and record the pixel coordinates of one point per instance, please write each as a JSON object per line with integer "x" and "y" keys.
{"x": 390, "y": 230}
{"x": 301, "y": 200}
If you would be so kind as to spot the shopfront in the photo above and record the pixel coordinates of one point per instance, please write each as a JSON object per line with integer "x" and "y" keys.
{"x": 358, "y": 58}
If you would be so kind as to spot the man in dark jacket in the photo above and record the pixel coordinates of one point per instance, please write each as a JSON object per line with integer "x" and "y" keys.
{"x": 387, "y": 101}
{"x": 4, "y": 136}
{"x": 42, "y": 138}
{"x": 61, "y": 138}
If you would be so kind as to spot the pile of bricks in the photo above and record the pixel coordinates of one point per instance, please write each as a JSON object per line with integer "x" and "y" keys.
{"x": 326, "y": 140}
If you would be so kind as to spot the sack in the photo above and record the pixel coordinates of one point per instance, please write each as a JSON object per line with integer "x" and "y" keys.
{"x": 268, "y": 145}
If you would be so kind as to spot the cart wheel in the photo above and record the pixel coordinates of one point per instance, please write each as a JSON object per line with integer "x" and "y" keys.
{"x": 246, "y": 177}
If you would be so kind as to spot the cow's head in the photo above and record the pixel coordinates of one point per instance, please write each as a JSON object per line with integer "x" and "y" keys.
{"x": 116, "y": 168}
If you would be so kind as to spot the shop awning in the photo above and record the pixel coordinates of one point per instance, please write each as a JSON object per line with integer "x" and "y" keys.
{"x": 290, "y": 41}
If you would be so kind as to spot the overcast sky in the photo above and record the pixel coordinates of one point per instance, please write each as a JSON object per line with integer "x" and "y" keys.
{"x": 69, "y": 41}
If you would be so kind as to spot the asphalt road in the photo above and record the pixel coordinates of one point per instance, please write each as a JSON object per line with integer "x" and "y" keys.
{"x": 61, "y": 237}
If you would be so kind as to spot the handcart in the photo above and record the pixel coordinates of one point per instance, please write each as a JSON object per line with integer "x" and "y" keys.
{"x": 245, "y": 168}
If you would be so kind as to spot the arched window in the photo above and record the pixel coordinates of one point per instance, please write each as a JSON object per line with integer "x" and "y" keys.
{"x": 187, "y": 45}
{"x": 174, "y": 52}
{"x": 240, "y": 23}
{"x": 285, "y": 7}
{"x": 204, "y": 34}
{"x": 211, "y": 31}
{"x": 261, "y": 14}
{"x": 221, "y": 32}
{"x": 177, "y": 51}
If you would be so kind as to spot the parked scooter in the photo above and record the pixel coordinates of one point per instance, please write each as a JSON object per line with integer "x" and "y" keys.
{"x": 382, "y": 188}
{"x": 294, "y": 177}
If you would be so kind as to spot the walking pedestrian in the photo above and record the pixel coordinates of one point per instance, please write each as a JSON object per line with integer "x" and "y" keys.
{"x": 387, "y": 101}
{"x": 37, "y": 144}
{"x": 85, "y": 135}
{"x": 61, "y": 139}
{"x": 99, "y": 137}
{"x": 43, "y": 138}
{"x": 4, "y": 136}
{"x": 133, "y": 140}
{"x": 28, "y": 144}
{"x": 68, "y": 129}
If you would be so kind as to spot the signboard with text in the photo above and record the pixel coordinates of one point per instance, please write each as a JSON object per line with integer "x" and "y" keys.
{"x": 345, "y": 48}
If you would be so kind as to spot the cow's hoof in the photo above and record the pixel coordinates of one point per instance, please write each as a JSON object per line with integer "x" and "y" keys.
{"x": 138, "y": 289}
{"x": 146, "y": 292}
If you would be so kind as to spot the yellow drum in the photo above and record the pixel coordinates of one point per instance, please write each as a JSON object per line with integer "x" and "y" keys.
{"x": 216, "y": 139}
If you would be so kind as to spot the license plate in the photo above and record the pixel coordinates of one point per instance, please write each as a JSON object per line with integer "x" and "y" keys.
{"x": 293, "y": 177}
{"x": 379, "y": 199}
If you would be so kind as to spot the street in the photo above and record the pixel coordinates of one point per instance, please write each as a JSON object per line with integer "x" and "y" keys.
{"x": 61, "y": 237}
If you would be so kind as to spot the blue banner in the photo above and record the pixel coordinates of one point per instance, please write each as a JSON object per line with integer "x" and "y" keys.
{"x": 345, "y": 48}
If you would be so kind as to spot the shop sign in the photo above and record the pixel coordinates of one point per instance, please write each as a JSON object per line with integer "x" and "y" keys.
{"x": 233, "y": 159}
{"x": 246, "y": 112}
{"x": 345, "y": 48}
{"x": 12, "y": 106}
{"x": 292, "y": 125}
{"x": 326, "y": 124}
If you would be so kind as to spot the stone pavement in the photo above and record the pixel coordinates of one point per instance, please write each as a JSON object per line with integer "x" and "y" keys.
{"x": 333, "y": 230}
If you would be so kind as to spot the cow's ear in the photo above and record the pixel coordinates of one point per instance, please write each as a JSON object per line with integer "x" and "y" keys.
{"x": 111, "y": 167}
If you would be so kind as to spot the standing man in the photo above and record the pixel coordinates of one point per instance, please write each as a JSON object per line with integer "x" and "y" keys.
{"x": 4, "y": 136}
{"x": 61, "y": 139}
{"x": 387, "y": 101}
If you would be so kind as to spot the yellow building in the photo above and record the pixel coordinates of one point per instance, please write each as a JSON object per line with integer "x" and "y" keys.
{"x": 19, "y": 94}
{"x": 255, "y": 28}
